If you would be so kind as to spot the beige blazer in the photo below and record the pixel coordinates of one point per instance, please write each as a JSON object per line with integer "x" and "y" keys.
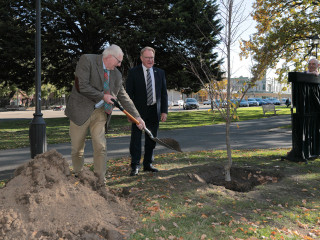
{"x": 90, "y": 74}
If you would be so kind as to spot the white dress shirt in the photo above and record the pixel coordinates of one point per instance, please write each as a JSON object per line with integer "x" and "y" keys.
{"x": 152, "y": 80}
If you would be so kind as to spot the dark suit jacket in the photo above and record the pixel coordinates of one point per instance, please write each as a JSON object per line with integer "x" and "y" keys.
{"x": 136, "y": 89}
{"x": 90, "y": 74}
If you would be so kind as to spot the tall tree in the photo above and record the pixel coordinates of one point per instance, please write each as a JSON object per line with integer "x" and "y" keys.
{"x": 283, "y": 30}
{"x": 71, "y": 28}
{"x": 17, "y": 52}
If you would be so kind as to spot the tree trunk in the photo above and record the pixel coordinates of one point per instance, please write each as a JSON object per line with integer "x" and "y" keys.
{"x": 228, "y": 117}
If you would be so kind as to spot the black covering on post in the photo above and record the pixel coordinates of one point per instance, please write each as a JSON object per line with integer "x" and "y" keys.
{"x": 37, "y": 129}
{"x": 306, "y": 118}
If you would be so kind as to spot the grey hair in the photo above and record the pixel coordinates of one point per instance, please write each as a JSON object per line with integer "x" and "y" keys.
{"x": 112, "y": 50}
{"x": 314, "y": 59}
{"x": 147, "y": 48}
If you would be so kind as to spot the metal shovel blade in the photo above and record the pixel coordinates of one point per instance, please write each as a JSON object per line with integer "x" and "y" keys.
{"x": 166, "y": 142}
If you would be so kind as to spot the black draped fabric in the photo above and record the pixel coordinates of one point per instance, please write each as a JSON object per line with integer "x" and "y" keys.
{"x": 306, "y": 117}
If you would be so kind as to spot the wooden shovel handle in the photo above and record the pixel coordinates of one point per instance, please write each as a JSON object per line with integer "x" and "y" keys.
{"x": 125, "y": 112}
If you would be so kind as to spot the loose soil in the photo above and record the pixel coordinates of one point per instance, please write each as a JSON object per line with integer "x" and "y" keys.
{"x": 243, "y": 179}
{"x": 45, "y": 201}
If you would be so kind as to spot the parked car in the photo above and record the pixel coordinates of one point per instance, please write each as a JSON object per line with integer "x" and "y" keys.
{"x": 261, "y": 101}
{"x": 243, "y": 103}
{"x": 191, "y": 103}
{"x": 58, "y": 108}
{"x": 207, "y": 102}
{"x": 177, "y": 103}
{"x": 252, "y": 102}
{"x": 268, "y": 101}
{"x": 274, "y": 101}
{"x": 180, "y": 102}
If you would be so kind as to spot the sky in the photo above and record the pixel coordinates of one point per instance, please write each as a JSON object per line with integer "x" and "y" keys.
{"x": 246, "y": 28}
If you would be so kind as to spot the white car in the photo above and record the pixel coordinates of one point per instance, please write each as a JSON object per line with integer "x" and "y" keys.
{"x": 178, "y": 103}
{"x": 207, "y": 102}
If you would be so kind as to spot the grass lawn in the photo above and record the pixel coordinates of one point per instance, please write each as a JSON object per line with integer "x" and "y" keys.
{"x": 15, "y": 133}
{"x": 173, "y": 204}
{"x": 185, "y": 200}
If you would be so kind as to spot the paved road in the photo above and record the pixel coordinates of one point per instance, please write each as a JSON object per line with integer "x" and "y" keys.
{"x": 254, "y": 134}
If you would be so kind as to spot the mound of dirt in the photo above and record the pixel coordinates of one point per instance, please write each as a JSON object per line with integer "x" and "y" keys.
{"x": 44, "y": 201}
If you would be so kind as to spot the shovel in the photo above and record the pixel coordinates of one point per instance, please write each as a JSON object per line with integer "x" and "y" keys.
{"x": 166, "y": 142}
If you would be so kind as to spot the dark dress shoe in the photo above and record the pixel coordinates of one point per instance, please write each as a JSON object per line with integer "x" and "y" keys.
{"x": 134, "y": 172}
{"x": 150, "y": 169}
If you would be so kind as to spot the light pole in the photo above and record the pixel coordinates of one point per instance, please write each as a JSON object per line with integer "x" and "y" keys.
{"x": 37, "y": 129}
{"x": 315, "y": 41}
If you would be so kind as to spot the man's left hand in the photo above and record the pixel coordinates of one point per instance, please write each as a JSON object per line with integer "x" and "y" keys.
{"x": 142, "y": 124}
{"x": 164, "y": 117}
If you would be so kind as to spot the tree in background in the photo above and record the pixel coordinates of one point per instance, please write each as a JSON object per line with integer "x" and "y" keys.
{"x": 71, "y": 28}
{"x": 17, "y": 51}
{"x": 232, "y": 17}
{"x": 283, "y": 30}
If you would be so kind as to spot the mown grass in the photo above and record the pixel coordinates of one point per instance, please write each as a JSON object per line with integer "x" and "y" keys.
{"x": 15, "y": 133}
{"x": 173, "y": 206}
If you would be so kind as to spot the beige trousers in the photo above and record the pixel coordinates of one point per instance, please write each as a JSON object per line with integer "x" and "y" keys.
{"x": 96, "y": 125}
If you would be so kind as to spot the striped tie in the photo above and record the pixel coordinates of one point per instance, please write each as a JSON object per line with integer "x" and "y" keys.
{"x": 106, "y": 89}
{"x": 149, "y": 88}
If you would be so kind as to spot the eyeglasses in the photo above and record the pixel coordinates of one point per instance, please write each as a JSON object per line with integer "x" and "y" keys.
{"x": 149, "y": 58}
{"x": 117, "y": 59}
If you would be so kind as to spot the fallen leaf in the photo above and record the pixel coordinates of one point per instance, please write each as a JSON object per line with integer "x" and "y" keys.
{"x": 176, "y": 225}
{"x": 199, "y": 205}
{"x": 203, "y": 236}
{"x": 301, "y": 225}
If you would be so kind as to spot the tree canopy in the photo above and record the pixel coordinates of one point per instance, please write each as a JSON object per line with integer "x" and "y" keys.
{"x": 71, "y": 28}
{"x": 283, "y": 30}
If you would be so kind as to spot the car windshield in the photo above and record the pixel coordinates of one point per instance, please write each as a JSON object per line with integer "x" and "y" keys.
{"x": 191, "y": 100}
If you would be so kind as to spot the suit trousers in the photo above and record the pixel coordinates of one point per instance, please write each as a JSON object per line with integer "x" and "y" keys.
{"x": 152, "y": 123}
{"x": 96, "y": 125}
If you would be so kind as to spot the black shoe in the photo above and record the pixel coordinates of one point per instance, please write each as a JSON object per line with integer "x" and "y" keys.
{"x": 134, "y": 172}
{"x": 150, "y": 169}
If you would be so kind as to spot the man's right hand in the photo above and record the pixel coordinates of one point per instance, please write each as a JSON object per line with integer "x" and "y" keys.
{"x": 107, "y": 98}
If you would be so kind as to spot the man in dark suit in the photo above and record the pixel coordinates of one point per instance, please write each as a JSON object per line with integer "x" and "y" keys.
{"x": 97, "y": 78}
{"x": 146, "y": 86}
